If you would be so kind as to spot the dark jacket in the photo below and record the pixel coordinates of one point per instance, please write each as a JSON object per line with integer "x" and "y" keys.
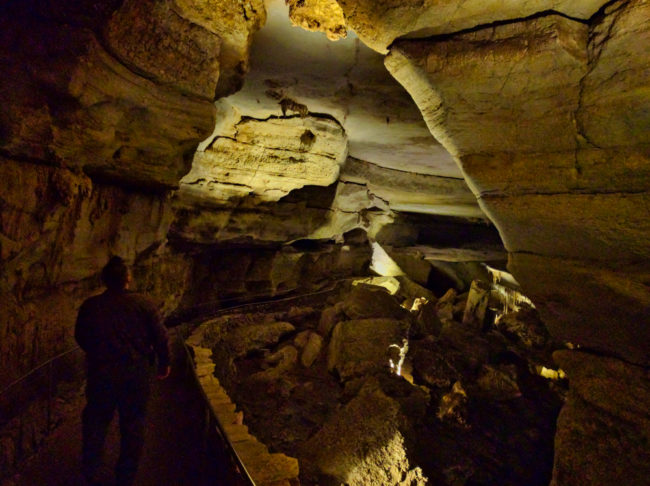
{"x": 120, "y": 327}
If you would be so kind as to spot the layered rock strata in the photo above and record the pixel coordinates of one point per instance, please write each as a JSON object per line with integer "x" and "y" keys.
{"x": 379, "y": 25}
{"x": 529, "y": 132}
{"x": 534, "y": 113}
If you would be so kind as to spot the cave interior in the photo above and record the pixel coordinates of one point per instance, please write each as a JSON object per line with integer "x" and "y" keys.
{"x": 437, "y": 214}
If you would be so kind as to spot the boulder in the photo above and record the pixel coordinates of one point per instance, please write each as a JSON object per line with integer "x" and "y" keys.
{"x": 311, "y": 350}
{"x": 524, "y": 327}
{"x": 427, "y": 322}
{"x": 243, "y": 340}
{"x": 282, "y": 361}
{"x": 498, "y": 382}
{"x": 363, "y": 443}
{"x": 329, "y": 318}
{"x": 605, "y": 421}
{"x": 365, "y": 302}
{"x": 434, "y": 365}
{"x": 477, "y": 302}
{"x": 363, "y": 346}
{"x": 445, "y": 305}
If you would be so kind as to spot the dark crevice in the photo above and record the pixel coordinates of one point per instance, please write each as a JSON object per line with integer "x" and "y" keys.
{"x": 491, "y": 25}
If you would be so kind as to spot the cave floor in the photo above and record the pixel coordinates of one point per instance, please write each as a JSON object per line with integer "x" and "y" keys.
{"x": 174, "y": 451}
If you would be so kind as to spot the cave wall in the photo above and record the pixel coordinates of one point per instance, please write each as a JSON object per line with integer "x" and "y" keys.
{"x": 102, "y": 106}
{"x": 548, "y": 118}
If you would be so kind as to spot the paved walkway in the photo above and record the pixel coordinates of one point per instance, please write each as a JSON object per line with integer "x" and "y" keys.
{"x": 175, "y": 452}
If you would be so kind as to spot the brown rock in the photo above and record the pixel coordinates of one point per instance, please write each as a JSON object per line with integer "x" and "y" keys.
{"x": 476, "y": 305}
{"x": 378, "y": 25}
{"x": 312, "y": 350}
{"x": 318, "y": 15}
{"x": 365, "y": 302}
{"x": 329, "y": 318}
{"x": 363, "y": 444}
{"x": 362, "y": 346}
{"x": 427, "y": 322}
{"x": 605, "y": 421}
{"x": 245, "y": 339}
{"x": 445, "y": 305}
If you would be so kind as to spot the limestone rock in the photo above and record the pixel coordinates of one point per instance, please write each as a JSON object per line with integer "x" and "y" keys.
{"x": 329, "y": 318}
{"x": 281, "y": 361}
{"x": 525, "y": 327}
{"x": 605, "y": 421}
{"x": 234, "y": 23}
{"x": 379, "y": 25}
{"x": 312, "y": 350}
{"x": 242, "y": 340}
{"x": 602, "y": 313}
{"x": 427, "y": 322}
{"x": 362, "y": 346}
{"x": 452, "y": 406}
{"x": 365, "y": 302}
{"x": 476, "y": 305}
{"x": 433, "y": 365}
{"x": 81, "y": 107}
{"x": 301, "y": 339}
{"x": 557, "y": 170}
{"x": 498, "y": 382}
{"x": 151, "y": 36}
{"x": 363, "y": 444}
{"x": 445, "y": 305}
{"x": 318, "y": 15}
{"x": 411, "y": 191}
{"x": 268, "y": 159}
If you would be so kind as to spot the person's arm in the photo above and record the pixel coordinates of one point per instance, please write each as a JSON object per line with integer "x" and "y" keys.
{"x": 83, "y": 327}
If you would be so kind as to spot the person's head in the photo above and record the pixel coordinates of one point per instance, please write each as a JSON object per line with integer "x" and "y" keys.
{"x": 115, "y": 274}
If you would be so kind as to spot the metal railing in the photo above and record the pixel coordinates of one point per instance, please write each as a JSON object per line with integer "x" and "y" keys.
{"x": 213, "y": 424}
{"x": 32, "y": 405}
{"x": 36, "y": 392}
{"x": 42, "y": 382}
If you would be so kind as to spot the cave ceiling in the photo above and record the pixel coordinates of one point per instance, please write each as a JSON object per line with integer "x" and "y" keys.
{"x": 318, "y": 108}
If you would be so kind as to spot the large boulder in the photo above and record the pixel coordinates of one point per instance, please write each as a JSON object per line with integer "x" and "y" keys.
{"x": 366, "y": 302}
{"x": 243, "y": 340}
{"x": 605, "y": 422}
{"x": 363, "y": 346}
{"x": 363, "y": 443}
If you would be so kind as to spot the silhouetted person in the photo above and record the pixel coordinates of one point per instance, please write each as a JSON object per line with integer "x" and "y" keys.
{"x": 122, "y": 335}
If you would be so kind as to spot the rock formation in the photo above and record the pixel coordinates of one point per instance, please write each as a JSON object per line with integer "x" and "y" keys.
{"x": 231, "y": 151}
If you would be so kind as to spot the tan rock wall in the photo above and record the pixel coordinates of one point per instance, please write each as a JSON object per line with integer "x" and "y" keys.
{"x": 380, "y": 23}
{"x": 530, "y": 111}
{"x": 548, "y": 119}
{"x": 603, "y": 430}
{"x": 124, "y": 96}
{"x": 57, "y": 230}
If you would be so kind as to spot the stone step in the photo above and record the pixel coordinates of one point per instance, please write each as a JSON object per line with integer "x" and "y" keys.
{"x": 265, "y": 468}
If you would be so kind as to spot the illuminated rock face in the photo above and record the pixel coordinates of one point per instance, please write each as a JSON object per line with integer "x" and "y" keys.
{"x": 545, "y": 110}
{"x": 267, "y": 159}
{"x": 534, "y": 111}
{"x": 379, "y": 25}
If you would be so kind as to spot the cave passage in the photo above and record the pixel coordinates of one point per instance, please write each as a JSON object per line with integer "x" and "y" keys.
{"x": 177, "y": 450}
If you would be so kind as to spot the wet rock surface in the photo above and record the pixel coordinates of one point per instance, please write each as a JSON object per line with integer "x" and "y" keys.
{"x": 468, "y": 408}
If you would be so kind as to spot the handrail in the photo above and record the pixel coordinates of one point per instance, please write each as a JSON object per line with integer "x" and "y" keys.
{"x": 34, "y": 370}
{"x": 221, "y": 430}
